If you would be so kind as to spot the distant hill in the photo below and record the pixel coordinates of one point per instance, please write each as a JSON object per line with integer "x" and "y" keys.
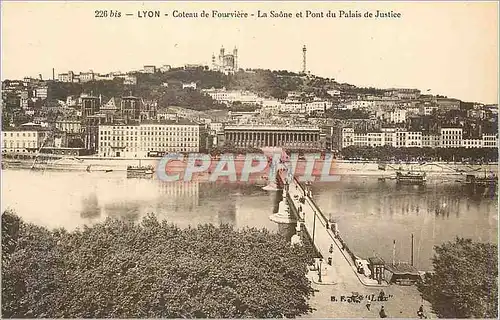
{"x": 166, "y": 87}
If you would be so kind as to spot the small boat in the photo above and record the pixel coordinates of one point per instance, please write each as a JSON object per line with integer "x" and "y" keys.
{"x": 109, "y": 170}
{"x": 382, "y": 166}
{"x": 414, "y": 178}
{"x": 140, "y": 172}
{"x": 486, "y": 181}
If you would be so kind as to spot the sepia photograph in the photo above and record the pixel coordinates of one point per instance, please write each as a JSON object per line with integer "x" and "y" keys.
{"x": 217, "y": 159}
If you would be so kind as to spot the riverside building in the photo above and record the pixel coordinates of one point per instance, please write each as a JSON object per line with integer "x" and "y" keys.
{"x": 150, "y": 137}
{"x": 23, "y": 139}
{"x": 400, "y": 138}
{"x": 451, "y": 137}
{"x": 275, "y": 136}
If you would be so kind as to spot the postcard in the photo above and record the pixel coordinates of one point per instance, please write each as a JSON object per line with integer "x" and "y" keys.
{"x": 249, "y": 159}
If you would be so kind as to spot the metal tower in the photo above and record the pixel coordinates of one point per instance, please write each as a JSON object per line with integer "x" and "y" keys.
{"x": 304, "y": 50}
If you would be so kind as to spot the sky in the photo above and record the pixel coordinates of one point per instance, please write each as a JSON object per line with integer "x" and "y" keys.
{"x": 450, "y": 48}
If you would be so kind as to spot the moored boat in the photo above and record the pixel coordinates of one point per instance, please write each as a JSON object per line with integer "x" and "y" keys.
{"x": 140, "y": 171}
{"x": 415, "y": 178}
{"x": 486, "y": 181}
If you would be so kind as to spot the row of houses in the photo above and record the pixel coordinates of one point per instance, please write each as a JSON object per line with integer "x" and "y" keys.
{"x": 114, "y": 140}
{"x": 395, "y": 137}
{"x": 70, "y": 76}
{"x": 291, "y": 104}
{"x": 396, "y": 107}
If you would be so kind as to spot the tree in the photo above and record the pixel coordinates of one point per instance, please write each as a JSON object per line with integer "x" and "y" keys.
{"x": 464, "y": 283}
{"x": 76, "y": 143}
{"x": 122, "y": 269}
{"x": 10, "y": 234}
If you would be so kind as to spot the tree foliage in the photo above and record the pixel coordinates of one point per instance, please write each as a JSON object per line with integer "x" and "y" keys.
{"x": 153, "y": 269}
{"x": 420, "y": 154}
{"x": 151, "y": 86}
{"x": 190, "y": 99}
{"x": 348, "y": 114}
{"x": 464, "y": 284}
{"x": 10, "y": 234}
{"x": 229, "y": 148}
{"x": 76, "y": 143}
{"x": 265, "y": 82}
{"x": 237, "y": 106}
{"x": 108, "y": 89}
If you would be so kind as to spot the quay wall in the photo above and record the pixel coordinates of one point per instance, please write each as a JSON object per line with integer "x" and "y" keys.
{"x": 335, "y": 167}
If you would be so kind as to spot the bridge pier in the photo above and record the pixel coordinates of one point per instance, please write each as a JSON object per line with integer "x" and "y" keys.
{"x": 273, "y": 185}
{"x": 284, "y": 214}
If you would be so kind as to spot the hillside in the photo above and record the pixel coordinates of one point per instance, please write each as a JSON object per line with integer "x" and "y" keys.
{"x": 166, "y": 87}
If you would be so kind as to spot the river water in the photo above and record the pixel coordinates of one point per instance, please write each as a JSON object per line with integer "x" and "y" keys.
{"x": 370, "y": 214}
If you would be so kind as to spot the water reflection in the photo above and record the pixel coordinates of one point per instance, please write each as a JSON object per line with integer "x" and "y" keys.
{"x": 370, "y": 214}
{"x": 126, "y": 210}
{"x": 177, "y": 195}
{"x": 278, "y": 196}
{"x": 227, "y": 213}
{"x": 477, "y": 193}
{"x": 90, "y": 207}
{"x": 287, "y": 230}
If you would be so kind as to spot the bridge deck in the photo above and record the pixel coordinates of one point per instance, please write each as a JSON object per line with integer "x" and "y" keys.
{"x": 318, "y": 227}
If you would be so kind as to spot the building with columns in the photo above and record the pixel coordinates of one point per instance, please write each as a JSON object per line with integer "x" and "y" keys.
{"x": 274, "y": 136}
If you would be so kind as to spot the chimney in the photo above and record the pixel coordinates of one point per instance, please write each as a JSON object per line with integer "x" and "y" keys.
{"x": 53, "y": 74}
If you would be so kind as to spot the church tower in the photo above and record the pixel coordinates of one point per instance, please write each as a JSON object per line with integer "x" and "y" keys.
{"x": 235, "y": 55}
{"x": 221, "y": 57}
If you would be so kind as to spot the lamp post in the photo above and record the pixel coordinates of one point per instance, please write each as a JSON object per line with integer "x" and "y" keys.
{"x": 319, "y": 271}
{"x": 314, "y": 226}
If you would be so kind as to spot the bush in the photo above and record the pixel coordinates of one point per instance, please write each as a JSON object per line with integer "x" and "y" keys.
{"x": 153, "y": 269}
{"x": 464, "y": 284}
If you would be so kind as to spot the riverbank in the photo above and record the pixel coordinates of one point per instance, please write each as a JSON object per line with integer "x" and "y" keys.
{"x": 336, "y": 167}
{"x": 370, "y": 214}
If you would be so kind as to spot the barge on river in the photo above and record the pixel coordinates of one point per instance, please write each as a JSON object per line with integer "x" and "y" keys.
{"x": 413, "y": 178}
{"x": 140, "y": 172}
{"x": 486, "y": 181}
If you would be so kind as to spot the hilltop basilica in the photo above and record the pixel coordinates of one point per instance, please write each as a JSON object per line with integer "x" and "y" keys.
{"x": 227, "y": 63}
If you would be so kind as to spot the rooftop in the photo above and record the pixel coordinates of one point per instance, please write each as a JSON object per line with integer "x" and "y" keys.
{"x": 180, "y": 121}
{"x": 402, "y": 268}
{"x": 26, "y": 128}
{"x": 271, "y": 127}
{"x": 376, "y": 260}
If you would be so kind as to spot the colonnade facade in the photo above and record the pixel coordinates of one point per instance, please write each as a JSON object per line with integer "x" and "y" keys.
{"x": 274, "y": 138}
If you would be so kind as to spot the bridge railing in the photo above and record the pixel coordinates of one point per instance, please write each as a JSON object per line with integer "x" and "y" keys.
{"x": 324, "y": 221}
{"x": 311, "y": 201}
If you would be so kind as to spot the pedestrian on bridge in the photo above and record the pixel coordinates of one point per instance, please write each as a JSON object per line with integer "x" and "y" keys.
{"x": 382, "y": 313}
{"x": 420, "y": 312}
